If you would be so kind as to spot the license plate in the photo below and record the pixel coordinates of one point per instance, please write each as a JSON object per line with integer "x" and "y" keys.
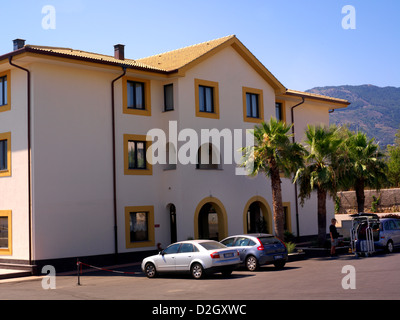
{"x": 278, "y": 257}
{"x": 228, "y": 255}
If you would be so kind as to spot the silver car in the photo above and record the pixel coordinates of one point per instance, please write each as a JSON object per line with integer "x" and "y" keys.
{"x": 197, "y": 257}
{"x": 258, "y": 249}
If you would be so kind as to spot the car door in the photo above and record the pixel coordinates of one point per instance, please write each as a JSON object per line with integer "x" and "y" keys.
{"x": 396, "y": 232}
{"x": 185, "y": 256}
{"x": 242, "y": 244}
{"x": 167, "y": 259}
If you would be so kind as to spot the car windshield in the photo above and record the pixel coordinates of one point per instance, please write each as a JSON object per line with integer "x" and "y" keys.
{"x": 269, "y": 240}
{"x": 212, "y": 245}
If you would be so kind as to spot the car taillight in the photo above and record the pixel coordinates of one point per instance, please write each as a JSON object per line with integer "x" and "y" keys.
{"x": 215, "y": 255}
{"x": 260, "y": 247}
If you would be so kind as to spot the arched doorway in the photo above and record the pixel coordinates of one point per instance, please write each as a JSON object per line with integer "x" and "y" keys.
{"x": 257, "y": 216}
{"x": 210, "y": 220}
{"x": 172, "y": 223}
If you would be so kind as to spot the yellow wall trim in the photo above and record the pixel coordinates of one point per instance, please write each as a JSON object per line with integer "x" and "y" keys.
{"x": 8, "y": 250}
{"x": 283, "y": 103}
{"x": 147, "y": 97}
{"x": 222, "y": 217}
{"x": 259, "y": 92}
{"x": 265, "y": 209}
{"x": 149, "y": 166}
{"x": 7, "y": 106}
{"x": 288, "y": 216}
{"x": 7, "y": 136}
{"x": 214, "y": 85}
{"x": 150, "y": 227}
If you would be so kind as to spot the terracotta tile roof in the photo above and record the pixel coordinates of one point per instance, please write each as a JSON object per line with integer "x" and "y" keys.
{"x": 176, "y": 59}
{"x": 315, "y": 96}
{"x": 96, "y": 57}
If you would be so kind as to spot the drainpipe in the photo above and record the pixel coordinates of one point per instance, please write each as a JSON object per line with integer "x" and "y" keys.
{"x": 29, "y": 153}
{"x": 113, "y": 155}
{"x": 295, "y": 185}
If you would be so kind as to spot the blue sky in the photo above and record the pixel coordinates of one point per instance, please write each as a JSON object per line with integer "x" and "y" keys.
{"x": 301, "y": 42}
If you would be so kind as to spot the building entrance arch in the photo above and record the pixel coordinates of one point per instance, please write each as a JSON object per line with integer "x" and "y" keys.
{"x": 210, "y": 220}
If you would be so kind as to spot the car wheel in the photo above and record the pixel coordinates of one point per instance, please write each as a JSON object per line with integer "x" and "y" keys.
{"x": 279, "y": 264}
{"x": 150, "y": 270}
{"x": 389, "y": 246}
{"x": 251, "y": 263}
{"x": 197, "y": 271}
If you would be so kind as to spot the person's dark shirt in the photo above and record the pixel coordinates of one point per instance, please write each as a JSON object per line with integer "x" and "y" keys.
{"x": 334, "y": 232}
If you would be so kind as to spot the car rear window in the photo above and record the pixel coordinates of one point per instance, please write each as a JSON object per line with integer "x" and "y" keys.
{"x": 212, "y": 245}
{"x": 269, "y": 240}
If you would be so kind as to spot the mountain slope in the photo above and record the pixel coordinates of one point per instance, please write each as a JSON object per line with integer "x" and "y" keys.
{"x": 373, "y": 110}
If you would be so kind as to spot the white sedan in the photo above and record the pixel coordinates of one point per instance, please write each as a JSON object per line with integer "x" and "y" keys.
{"x": 195, "y": 256}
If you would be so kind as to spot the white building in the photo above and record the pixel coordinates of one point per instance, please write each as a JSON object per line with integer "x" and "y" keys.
{"x": 73, "y": 126}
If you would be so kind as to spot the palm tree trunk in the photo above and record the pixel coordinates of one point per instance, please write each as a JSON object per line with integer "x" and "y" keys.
{"x": 321, "y": 216}
{"x": 277, "y": 203}
{"x": 359, "y": 186}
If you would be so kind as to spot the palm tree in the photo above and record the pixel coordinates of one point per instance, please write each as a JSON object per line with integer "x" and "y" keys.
{"x": 364, "y": 165}
{"x": 320, "y": 170}
{"x": 274, "y": 154}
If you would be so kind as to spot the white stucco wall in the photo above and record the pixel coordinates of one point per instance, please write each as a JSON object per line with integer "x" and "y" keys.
{"x": 72, "y": 157}
{"x": 14, "y": 189}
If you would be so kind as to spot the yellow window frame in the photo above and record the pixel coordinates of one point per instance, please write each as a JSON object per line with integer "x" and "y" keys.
{"x": 7, "y": 106}
{"x": 258, "y": 92}
{"x": 8, "y": 215}
{"x": 7, "y": 136}
{"x": 149, "y": 166}
{"x": 150, "y": 227}
{"x": 147, "y": 97}
{"x": 214, "y": 85}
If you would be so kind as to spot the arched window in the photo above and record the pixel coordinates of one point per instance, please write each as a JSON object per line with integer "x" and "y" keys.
{"x": 208, "y": 157}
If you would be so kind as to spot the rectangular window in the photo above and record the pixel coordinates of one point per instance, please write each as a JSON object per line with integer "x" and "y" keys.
{"x": 207, "y": 99}
{"x": 135, "y": 155}
{"x": 5, "y": 232}
{"x": 3, "y": 91}
{"x": 279, "y": 111}
{"x": 139, "y": 226}
{"x": 252, "y": 105}
{"x": 5, "y": 154}
{"x": 136, "y": 97}
{"x": 169, "y": 97}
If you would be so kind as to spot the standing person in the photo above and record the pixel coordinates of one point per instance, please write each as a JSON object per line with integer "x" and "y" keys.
{"x": 334, "y": 236}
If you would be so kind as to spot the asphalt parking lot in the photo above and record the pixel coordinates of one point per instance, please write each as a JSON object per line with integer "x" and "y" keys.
{"x": 343, "y": 278}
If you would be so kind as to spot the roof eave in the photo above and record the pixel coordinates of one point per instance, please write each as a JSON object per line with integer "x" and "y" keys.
{"x": 121, "y": 64}
{"x": 339, "y": 103}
